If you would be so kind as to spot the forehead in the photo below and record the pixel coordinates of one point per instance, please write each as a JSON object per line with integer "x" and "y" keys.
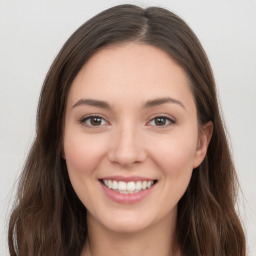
{"x": 130, "y": 71}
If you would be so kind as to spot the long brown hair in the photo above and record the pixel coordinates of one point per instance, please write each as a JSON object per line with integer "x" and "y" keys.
{"x": 49, "y": 219}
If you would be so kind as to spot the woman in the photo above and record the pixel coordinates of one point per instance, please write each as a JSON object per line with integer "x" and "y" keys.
{"x": 130, "y": 155}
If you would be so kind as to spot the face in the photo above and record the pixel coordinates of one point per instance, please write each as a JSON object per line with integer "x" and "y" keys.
{"x": 131, "y": 137}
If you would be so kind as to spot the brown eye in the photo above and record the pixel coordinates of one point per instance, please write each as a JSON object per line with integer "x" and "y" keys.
{"x": 94, "y": 121}
{"x": 161, "y": 121}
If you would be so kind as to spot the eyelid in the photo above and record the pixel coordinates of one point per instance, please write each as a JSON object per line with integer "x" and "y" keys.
{"x": 86, "y": 117}
{"x": 168, "y": 117}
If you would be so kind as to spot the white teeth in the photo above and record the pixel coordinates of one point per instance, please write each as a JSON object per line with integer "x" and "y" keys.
{"x": 121, "y": 185}
{"x": 138, "y": 186}
{"x": 128, "y": 187}
{"x": 110, "y": 183}
{"x": 150, "y": 183}
{"x": 114, "y": 184}
{"x": 144, "y": 184}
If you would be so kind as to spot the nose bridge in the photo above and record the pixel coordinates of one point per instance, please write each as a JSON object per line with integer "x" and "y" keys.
{"x": 127, "y": 145}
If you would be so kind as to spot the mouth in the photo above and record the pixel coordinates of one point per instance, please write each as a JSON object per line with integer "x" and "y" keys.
{"x": 130, "y": 187}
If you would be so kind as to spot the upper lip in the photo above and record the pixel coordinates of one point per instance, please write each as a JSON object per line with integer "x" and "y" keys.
{"x": 127, "y": 179}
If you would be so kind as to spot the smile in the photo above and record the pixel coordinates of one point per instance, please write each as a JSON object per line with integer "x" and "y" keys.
{"x": 128, "y": 187}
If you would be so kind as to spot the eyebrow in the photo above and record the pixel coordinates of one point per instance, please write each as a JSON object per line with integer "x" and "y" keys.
{"x": 160, "y": 101}
{"x": 148, "y": 104}
{"x": 94, "y": 103}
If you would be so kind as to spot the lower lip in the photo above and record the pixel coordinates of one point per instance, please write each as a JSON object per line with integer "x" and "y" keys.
{"x": 126, "y": 198}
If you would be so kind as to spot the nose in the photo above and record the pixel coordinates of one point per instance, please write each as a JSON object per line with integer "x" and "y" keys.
{"x": 127, "y": 147}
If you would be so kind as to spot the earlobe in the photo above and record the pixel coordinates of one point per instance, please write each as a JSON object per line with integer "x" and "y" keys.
{"x": 204, "y": 138}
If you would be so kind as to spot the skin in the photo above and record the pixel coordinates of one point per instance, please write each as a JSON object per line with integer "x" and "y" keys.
{"x": 128, "y": 141}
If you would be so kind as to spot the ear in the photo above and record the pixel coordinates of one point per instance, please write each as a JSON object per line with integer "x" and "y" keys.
{"x": 204, "y": 138}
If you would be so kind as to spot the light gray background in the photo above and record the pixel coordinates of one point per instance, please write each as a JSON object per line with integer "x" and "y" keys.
{"x": 32, "y": 32}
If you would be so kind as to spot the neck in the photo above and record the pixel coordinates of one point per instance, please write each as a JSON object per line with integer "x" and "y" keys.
{"x": 156, "y": 240}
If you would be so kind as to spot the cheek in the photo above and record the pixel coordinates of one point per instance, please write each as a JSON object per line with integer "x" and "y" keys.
{"x": 174, "y": 156}
{"x": 82, "y": 153}
{"x": 175, "y": 159}
{"x": 176, "y": 153}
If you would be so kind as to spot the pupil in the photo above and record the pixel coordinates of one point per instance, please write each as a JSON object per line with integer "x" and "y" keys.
{"x": 160, "y": 121}
{"x": 96, "y": 121}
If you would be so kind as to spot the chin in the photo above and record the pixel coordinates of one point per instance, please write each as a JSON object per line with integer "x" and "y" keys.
{"x": 128, "y": 227}
{"x": 126, "y": 223}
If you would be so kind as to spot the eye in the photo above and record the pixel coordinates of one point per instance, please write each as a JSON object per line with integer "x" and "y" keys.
{"x": 93, "y": 121}
{"x": 161, "y": 121}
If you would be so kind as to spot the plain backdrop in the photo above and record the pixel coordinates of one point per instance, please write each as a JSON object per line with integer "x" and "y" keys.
{"x": 32, "y": 33}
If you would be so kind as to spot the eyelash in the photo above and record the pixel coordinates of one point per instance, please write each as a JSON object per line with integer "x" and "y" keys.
{"x": 89, "y": 118}
{"x": 170, "y": 121}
